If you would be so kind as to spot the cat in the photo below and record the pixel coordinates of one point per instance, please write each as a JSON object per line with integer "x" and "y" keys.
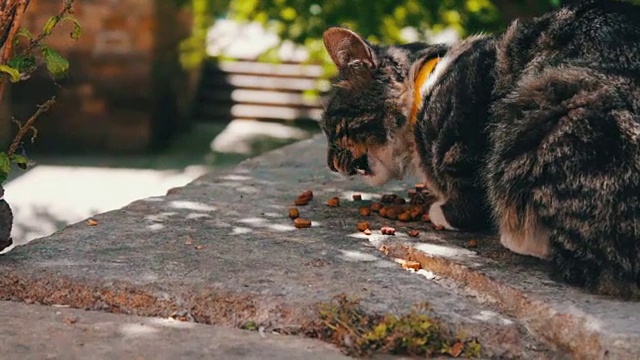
{"x": 534, "y": 132}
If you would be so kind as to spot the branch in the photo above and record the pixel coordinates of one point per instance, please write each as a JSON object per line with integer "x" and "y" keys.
{"x": 28, "y": 125}
{"x": 7, "y": 50}
{"x": 66, "y": 9}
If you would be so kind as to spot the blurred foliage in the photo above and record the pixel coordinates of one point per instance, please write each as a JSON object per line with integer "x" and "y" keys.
{"x": 304, "y": 21}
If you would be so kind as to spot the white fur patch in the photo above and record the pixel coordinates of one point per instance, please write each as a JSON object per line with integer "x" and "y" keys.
{"x": 437, "y": 216}
{"x": 433, "y": 79}
{"x": 534, "y": 244}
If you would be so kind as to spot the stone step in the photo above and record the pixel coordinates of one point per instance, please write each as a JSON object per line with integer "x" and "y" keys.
{"x": 44, "y": 332}
{"x": 222, "y": 251}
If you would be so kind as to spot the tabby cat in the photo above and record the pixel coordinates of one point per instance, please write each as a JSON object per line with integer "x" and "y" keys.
{"x": 535, "y": 131}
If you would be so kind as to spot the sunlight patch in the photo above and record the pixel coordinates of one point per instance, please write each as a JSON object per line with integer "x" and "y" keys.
{"x": 352, "y": 255}
{"x": 155, "y": 227}
{"x": 191, "y": 205}
{"x": 172, "y": 323}
{"x": 444, "y": 251}
{"x": 240, "y": 230}
{"x": 136, "y": 330}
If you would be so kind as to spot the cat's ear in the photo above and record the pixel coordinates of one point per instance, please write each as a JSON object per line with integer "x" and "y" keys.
{"x": 347, "y": 48}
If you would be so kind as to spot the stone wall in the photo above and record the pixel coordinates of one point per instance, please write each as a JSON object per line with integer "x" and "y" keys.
{"x": 126, "y": 91}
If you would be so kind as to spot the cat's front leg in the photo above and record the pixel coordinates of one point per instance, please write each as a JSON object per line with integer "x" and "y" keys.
{"x": 464, "y": 212}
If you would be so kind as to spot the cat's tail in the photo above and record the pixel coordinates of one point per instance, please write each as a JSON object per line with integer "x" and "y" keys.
{"x": 564, "y": 176}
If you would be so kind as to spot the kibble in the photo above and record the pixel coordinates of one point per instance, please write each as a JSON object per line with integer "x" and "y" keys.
{"x": 367, "y": 231}
{"x": 334, "y": 202}
{"x": 365, "y": 211}
{"x": 304, "y": 198}
{"x": 391, "y": 214}
{"x": 376, "y": 206}
{"x": 388, "y": 230}
{"x": 294, "y": 213}
{"x": 405, "y": 216}
{"x": 301, "y": 223}
{"x": 363, "y": 225}
{"x": 413, "y": 233}
{"x": 472, "y": 243}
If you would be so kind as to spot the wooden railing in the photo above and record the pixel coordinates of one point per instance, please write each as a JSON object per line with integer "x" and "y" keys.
{"x": 254, "y": 90}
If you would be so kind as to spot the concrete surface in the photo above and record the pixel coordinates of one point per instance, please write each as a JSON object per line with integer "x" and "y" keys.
{"x": 43, "y": 332}
{"x": 222, "y": 251}
{"x": 62, "y": 190}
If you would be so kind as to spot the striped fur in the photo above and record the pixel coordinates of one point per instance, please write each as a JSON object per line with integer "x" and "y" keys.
{"x": 535, "y": 131}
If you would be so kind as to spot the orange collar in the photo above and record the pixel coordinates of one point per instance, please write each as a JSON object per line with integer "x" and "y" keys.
{"x": 422, "y": 77}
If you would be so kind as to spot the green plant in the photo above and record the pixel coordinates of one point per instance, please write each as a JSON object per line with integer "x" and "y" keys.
{"x": 345, "y": 323}
{"x": 22, "y": 54}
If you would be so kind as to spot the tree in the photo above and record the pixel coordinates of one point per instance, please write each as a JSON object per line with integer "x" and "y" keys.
{"x": 21, "y": 53}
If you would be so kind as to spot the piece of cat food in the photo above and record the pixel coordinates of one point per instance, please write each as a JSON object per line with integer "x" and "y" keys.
{"x": 294, "y": 213}
{"x": 413, "y": 233}
{"x": 399, "y": 201}
{"x": 472, "y": 243}
{"x": 405, "y": 216}
{"x": 92, "y": 222}
{"x": 376, "y": 206}
{"x": 388, "y": 198}
{"x": 304, "y": 198}
{"x": 409, "y": 264}
{"x": 383, "y": 211}
{"x": 365, "y": 211}
{"x": 391, "y": 214}
{"x": 301, "y": 223}
{"x": 357, "y": 197}
{"x": 416, "y": 211}
{"x": 363, "y": 225}
{"x": 367, "y": 231}
{"x": 334, "y": 202}
{"x": 307, "y": 194}
{"x": 420, "y": 187}
{"x": 426, "y": 218}
{"x": 388, "y": 230}
{"x": 438, "y": 227}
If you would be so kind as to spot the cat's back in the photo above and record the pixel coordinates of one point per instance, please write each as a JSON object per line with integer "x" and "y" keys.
{"x": 602, "y": 35}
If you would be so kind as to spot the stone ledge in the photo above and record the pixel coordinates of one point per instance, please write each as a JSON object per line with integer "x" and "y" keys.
{"x": 221, "y": 250}
{"x": 42, "y": 332}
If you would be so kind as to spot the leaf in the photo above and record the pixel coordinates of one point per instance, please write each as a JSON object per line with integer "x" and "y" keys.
{"x": 21, "y": 161}
{"x": 5, "y": 166}
{"x": 49, "y": 25}
{"x": 56, "y": 64}
{"x": 14, "y": 74}
{"x": 23, "y": 63}
{"x": 24, "y": 32}
{"x": 77, "y": 29}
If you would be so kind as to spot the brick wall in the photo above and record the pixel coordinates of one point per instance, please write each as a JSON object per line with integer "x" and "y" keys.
{"x": 125, "y": 92}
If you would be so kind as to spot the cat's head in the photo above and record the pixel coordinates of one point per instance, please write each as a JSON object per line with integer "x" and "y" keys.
{"x": 366, "y": 118}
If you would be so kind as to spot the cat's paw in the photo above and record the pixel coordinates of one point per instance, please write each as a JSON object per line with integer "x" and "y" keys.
{"x": 437, "y": 216}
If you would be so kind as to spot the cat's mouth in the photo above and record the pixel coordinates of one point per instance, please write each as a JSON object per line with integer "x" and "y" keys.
{"x": 361, "y": 166}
